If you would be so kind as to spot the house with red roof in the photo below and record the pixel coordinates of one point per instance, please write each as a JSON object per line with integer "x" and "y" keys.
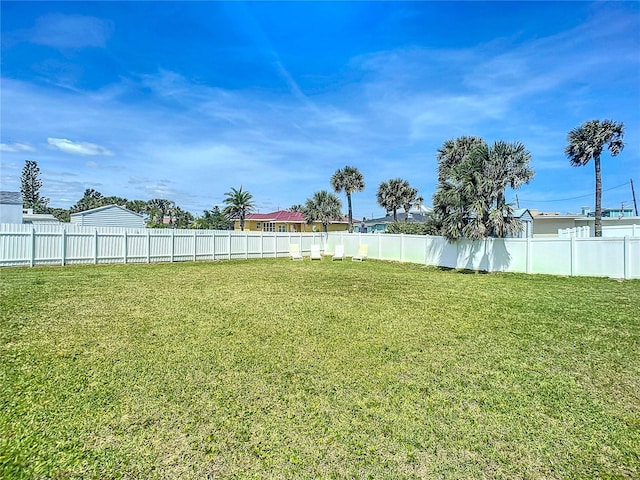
{"x": 284, "y": 221}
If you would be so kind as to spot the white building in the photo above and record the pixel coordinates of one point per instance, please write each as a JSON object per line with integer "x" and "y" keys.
{"x": 108, "y": 216}
{"x": 10, "y": 207}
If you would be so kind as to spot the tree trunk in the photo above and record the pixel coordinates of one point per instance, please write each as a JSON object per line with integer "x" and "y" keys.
{"x": 350, "y": 213}
{"x": 395, "y": 217}
{"x": 241, "y": 223}
{"x": 598, "y": 223}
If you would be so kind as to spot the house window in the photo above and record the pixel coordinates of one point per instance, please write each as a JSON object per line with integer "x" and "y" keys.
{"x": 282, "y": 228}
{"x": 258, "y": 225}
{"x": 269, "y": 227}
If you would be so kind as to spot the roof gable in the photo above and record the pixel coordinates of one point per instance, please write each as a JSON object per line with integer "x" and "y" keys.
{"x": 105, "y": 207}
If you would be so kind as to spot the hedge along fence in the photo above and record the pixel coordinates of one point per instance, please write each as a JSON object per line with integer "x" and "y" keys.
{"x": 25, "y": 245}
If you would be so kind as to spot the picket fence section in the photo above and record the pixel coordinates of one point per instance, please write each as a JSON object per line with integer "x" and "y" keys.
{"x": 26, "y": 245}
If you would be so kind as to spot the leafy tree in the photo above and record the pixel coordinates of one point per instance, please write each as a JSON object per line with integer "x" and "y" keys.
{"x": 239, "y": 204}
{"x": 586, "y": 142}
{"x": 322, "y": 207}
{"x": 212, "y": 220}
{"x": 182, "y": 218}
{"x": 296, "y": 207}
{"x": 349, "y": 179}
{"x": 413, "y": 228}
{"x": 472, "y": 178}
{"x": 30, "y": 187}
{"x": 63, "y": 215}
{"x": 393, "y": 194}
{"x": 138, "y": 206}
{"x": 91, "y": 199}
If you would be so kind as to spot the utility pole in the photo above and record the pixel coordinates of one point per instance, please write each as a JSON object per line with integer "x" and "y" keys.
{"x": 633, "y": 193}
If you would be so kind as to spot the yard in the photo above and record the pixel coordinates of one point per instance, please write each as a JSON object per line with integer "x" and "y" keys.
{"x": 280, "y": 369}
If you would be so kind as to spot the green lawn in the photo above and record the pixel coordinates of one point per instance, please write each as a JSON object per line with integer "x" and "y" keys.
{"x": 280, "y": 369}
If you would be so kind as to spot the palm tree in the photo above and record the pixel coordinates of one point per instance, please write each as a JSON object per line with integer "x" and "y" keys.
{"x": 391, "y": 195}
{"x": 349, "y": 180}
{"x": 409, "y": 199}
{"x": 157, "y": 208}
{"x": 586, "y": 142}
{"x": 322, "y": 207}
{"x": 239, "y": 204}
{"x": 472, "y": 179}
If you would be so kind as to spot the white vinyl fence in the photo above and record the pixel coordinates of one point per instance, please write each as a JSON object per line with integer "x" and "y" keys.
{"x": 597, "y": 257}
{"x": 28, "y": 245}
{"x": 607, "y": 231}
{"x": 67, "y": 244}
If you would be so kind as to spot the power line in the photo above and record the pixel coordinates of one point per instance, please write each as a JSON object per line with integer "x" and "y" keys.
{"x": 573, "y": 198}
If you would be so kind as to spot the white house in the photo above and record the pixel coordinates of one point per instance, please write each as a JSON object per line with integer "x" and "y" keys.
{"x": 108, "y": 216}
{"x": 10, "y": 207}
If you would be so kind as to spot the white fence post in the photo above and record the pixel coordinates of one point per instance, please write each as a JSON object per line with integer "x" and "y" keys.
{"x": 173, "y": 244}
{"x": 229, "y": 245}
{"x": 63, "y": 246}
{"x": 625, "y": 259}
{"x": 148, "y": 246}
{"x": 246, "y": 245}
{"x": 33, "y": 246}
{"x": 213, "y": 245}
{"x": 195, "y": 246}
{"x": 95, "y": 246}
{"x": 124, "y": 253}
{"x": 528, "y": 259}
{"x": 573, "y": 255}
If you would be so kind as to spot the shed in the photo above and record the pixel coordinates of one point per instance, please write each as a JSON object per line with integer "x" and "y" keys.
{"x": 10, "y": 207}
{"x": 108, "y": 216}
{"x": 526, "y": 219}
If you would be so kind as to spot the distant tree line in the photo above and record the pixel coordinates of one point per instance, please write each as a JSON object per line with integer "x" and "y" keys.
{"x": 469, "y": 200}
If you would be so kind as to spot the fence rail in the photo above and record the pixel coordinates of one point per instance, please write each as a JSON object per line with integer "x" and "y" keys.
{"x": 25, "y": 245}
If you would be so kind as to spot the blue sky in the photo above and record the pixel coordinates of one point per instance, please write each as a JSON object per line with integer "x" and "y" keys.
{"x": 185, "y": 100}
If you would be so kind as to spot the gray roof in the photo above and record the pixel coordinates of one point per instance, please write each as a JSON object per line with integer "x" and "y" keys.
{"x": 10, "y": 198}
{"x": 413, "y": 217}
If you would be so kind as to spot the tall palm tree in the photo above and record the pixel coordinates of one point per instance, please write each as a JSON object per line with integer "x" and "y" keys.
{"x": 586, "y": 142}
{"x": 322, "y": 207}
{"x": 391, "y": 194}
{"x": 349, "y": 179}
{"x": 239, "y": 204}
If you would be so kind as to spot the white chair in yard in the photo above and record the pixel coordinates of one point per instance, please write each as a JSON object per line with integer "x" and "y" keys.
{"x": 362, "y": 253}
{"x": 315, "y": 252}
{"x": 339, "y": 253}
{"x": 294, "y": 251}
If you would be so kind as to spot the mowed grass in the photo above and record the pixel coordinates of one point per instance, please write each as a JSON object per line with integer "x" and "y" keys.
{"x": 280, "y": 369}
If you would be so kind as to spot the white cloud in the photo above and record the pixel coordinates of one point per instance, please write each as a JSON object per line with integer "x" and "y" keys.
{"x": 16, "y": 147}
{"x": 70, "y": 31}
{"x": 78, "y": 148}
